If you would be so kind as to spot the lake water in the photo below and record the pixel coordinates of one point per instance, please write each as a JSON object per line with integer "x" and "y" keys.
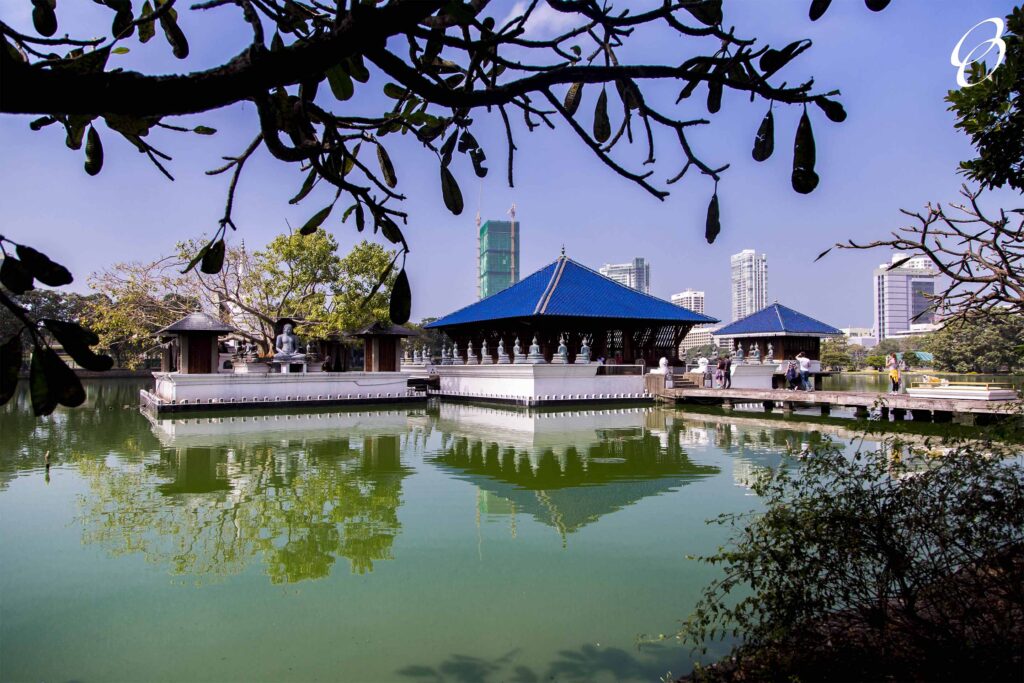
{"x": 436, "y": 543}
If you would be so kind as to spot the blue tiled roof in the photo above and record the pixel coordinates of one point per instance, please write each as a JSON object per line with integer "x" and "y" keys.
{"x": 777, "y": 319}
{"x": 566, "y": 288}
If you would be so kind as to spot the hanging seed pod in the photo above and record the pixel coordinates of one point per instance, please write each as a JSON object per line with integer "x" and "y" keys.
{"x": 450, "y": 191}
{"x": 573, "y": 97}
{"x": 713, "y": 226}
{"x": 818, "y": 8}
{"x": 804, "y": 178}
{"x": 44, "y": 18}
{"x": 387, "y": 169}
{"x": 93, "y": 152}
{"x": 602, "y": 126}
{"x": 764, "y": 142}
{"x": 401, "y": 299}
{"x": 714, "y": 97}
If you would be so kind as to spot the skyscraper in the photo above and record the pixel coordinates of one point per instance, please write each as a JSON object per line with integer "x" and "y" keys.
{"x": 749, "y": 283}
{"x": 499, "y": 256}
{"x": 691, "y": 299}
{"x": 636, "y": 274}
{"x": 901, "y": 295}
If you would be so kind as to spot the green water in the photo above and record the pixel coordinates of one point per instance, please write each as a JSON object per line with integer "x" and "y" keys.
{"x": 844, "y": 381}
{"x": 435, "y": 543}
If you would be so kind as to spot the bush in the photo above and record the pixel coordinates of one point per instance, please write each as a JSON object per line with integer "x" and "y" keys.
{"x": 861, "y": 569}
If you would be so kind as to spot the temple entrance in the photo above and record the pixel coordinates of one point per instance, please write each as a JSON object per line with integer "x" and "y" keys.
{"x": 200, "y": 350}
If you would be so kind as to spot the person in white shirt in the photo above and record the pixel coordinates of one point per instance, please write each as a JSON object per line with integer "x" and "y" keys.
{"x": 805, "y": 371}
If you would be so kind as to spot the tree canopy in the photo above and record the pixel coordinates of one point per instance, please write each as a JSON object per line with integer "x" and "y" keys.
{"x": 302, "y": 278}
{"x": 440, "y": 62}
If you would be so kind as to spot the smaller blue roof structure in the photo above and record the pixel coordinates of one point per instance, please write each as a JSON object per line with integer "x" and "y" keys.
{"x": 777, "y": 321}
{"x": 566, "y": 288}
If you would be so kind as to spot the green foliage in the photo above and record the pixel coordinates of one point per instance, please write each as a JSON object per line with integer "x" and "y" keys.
{"x": 876, "y": 361}
{"x": 835, "y": 355}
{"x": 990, "y": 344}
{"x": 991, "y": 112}
{"x": 865, "y": 568}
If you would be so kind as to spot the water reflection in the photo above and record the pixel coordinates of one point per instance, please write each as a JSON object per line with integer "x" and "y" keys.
{"x": 565, "y": 468}
{"x": 226, "y": 491}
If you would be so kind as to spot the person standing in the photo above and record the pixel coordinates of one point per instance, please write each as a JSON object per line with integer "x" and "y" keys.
{"x": 893, "y": 366}
{"x": 720, "y": 372}
{"x": 805, "y": 371}
{"x": 727, "y": 372}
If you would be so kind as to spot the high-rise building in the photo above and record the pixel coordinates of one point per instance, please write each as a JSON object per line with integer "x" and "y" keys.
{"x": 691, "y": 299}
{"x": 636, "y": 274}
{"x": 499, "y": 256}
{"x": 749, "y": 283}
{"x": 902, "y": 296}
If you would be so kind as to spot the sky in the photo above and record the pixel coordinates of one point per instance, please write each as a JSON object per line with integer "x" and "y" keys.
{"x": 897, "y": 149}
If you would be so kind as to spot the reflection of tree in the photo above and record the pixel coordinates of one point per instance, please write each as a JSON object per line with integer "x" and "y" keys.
{"x": 100, "y": 426}
{"x": 209, "y": 511}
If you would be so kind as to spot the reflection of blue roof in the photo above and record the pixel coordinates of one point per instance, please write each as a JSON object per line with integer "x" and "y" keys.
{"x": 566, "y": 288}
{"x": 777, "y": 320}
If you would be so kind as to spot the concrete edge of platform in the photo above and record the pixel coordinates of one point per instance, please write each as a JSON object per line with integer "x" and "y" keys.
{"x": 452, "y": 398}
{"x": 152, "y": 403}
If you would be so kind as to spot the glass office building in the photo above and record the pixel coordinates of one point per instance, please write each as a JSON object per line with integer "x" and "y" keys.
{"x": 499, "y": 257}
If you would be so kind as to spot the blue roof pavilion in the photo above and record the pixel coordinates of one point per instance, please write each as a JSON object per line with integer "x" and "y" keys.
{"x": 567, "y": 299}
{"x": 788, "y": 331}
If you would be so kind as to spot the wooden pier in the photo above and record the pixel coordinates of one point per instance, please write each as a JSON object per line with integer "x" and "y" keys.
{"x": 959, "y": 411}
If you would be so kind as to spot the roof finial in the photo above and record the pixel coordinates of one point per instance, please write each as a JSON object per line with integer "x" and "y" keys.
{"x": 563, "y": 249}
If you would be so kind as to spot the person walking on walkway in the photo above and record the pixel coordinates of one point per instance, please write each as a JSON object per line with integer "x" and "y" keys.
{"x": 792, "y": 376}
{"x": 720, "y": 372}
{"x": 727, "y": 372}
{"x": 805, "y": 371}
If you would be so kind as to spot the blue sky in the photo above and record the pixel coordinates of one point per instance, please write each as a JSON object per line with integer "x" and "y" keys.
{"x": 897, "y": 149}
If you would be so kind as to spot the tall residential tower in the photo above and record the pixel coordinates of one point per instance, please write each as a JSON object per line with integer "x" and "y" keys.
{"x": 691, "y": 299}
{"x": 749, "y": 283}
{"x": 499, "y": 255}
{"x": 901, "y": 295}
{"x": 636, "y": 274}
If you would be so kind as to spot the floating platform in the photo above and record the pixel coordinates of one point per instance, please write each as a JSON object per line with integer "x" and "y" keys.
{"x": 542, "y": 384}
{"x": 189, "y": 392}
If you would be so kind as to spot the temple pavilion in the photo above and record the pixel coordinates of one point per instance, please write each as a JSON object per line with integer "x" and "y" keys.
{"x": 789, "y": 332}
{"x": 567, "y": 300}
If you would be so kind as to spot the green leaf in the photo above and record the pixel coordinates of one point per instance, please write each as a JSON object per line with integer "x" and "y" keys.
{"x": 451, "y": 192}
{"x": 764, "y": 143}
{"x": 174, "y": 35}
{"x": 10, "y": 365}
{"x": 401, "y": 299}
{"x": 573, "y": 97}
{"x": 602, "y": 126}
{"x": 713, "y": 225}
{"x": 478, "y": 158}
{"x": 387, "y": 169}
{"x": 204, "y": 130}
{"x": 122, "y": 25}
{"x": 44, "y": 18}
{"x": 52, "y": 382}
{"x": 76, "y": 341}
{"x": 15, "y": 276}
{"x": 213, "y": 259}
{"x": 708, "y": 12}
{"x": 818, "y": 8}
{"x": 833, "y": 110}
{"x": 75, "y": 127}
{"x": 773, "y": 60}
{"x": 395, "y": 92}
{"x": 146, "y": 29}
{"x": 120, "y": 51}
{"x": 307, "y": 186}
{"x": 392, "y": 233}
{"x": 196, "y": 259}
{"x": 357, "y": 69}
{"x": 823, "y": 254}
{"x": 360, "y": 218}
{"x": 93, "y": 152}
{"x": 628, "y": 93}
{"x": 448, "y": 148}
{"x": 42, "y": 122}
{"x": 42, "y": 268}
{"x": 318, "y": 218}
{"x": 804, "y": 178}
{"x": 714, "y": 96}
{"x": 340, "y": 82}
{"x": 698, "y": 71}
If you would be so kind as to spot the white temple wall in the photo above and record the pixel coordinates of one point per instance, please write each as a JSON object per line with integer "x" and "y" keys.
{"x": 532, "y": 384}
{"x": 228, "y": 388}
